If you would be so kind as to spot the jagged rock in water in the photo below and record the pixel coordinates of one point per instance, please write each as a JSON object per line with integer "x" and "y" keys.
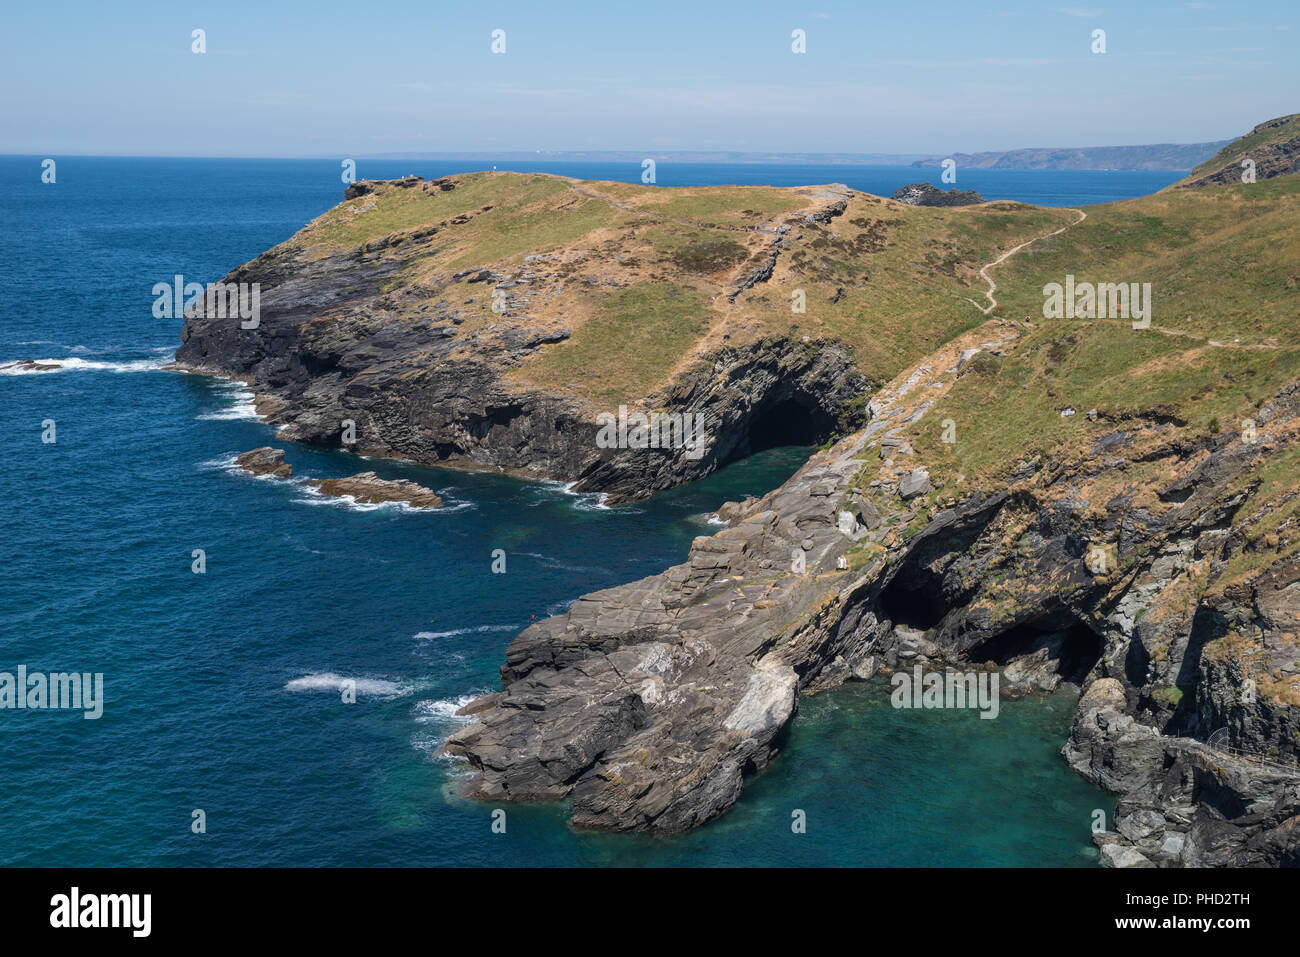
{"x": 265, "y": 461}
{"x": 367, "y": 488}
{"x": 31, "y": 365}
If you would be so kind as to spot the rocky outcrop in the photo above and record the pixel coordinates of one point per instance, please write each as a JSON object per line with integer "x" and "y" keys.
{"x": 265, "y": 461}
{"x": 923, "y": 194}
{"x": 1273, "y": 149}
{"x": 650, "y": 702}
{"x": 367, "y": 488}
{"x": 1184, "y": 802}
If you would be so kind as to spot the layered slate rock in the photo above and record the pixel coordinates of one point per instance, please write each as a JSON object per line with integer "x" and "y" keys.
{"x": 650, "y": 702}
{"x": 265, "y": 461}
{"x": 1273, "y": 149}
{"x": 367, "y": 488}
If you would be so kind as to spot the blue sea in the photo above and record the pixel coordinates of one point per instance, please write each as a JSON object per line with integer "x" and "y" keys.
{"x": 222, "y": 688}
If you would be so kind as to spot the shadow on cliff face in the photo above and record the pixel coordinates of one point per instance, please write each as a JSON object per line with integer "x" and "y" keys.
{"x": 790, "y": 419}
{"x": 1070, "y": 648}
{"x": 915, "y": 600}
{"x": 936, "y": 598}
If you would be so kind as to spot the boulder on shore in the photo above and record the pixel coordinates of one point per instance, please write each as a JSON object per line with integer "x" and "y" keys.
{"x": 265, "y": 461}
{"x": 367, "y": 488}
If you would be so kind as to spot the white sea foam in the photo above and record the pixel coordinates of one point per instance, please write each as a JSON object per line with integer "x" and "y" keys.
{"x": 436, "y": 719}
{"x": 559, "y": 608}
{"x": 74, "y": 364}
{"x": 243, "y": 408}
{"x": 583, "y": 501}
{"x": 445, "y": 709}
{"x": 552, "y": 562}
{"x": 316, "y": 497}
{"x": 329, "y": 681}
{"x": 226, "y": 463}
{"x": 476, "y": 629}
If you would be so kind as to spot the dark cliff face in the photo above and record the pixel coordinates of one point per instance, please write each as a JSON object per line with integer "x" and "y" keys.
{"x": 1172, "y": 649}
{"x": 349, "y": 352}
{"x": 1273, "y": 159}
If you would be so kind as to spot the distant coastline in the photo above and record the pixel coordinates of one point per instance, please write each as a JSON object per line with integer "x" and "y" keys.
{"x": 1171, "y": 157}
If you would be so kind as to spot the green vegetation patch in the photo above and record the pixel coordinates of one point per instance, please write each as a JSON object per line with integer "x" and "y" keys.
{"x": 626, "y": 349}
{"x": 710, "y": 255}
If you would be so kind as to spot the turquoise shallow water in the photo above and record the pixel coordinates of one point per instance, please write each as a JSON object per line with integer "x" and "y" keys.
{"x": 221, "y": 687}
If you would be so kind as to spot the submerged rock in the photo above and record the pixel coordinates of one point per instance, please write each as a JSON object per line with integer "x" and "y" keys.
{"x": 31, "y": 365}
{"x": 367, "y": 488}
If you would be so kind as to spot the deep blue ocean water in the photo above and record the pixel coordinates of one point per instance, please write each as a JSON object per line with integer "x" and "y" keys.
{"x": 221, "y": 688}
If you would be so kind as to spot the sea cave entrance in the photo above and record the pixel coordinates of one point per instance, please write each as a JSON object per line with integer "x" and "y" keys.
{"x": 783, "y": 421}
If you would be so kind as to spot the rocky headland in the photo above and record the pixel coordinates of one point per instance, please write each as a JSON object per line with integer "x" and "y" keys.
{"x": 1272, "y": 149}
{"x": 488, "y": 321}
{"x": 1104, "y": 503}
{"x": 649, "y": 703}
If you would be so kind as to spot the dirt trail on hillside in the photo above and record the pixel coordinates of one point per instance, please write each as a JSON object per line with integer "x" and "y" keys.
{"x": 984, "y": 272}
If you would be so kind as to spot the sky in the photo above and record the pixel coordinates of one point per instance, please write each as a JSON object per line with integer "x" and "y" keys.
{"x": 326, "y": 78}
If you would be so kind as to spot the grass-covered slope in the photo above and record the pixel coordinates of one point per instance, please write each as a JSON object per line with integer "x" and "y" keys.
{"x": 1225, "y": 287}
{"x": 644, "y": 278}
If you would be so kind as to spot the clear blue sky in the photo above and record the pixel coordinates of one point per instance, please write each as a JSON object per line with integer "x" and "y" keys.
{"x": 288, "y": 78}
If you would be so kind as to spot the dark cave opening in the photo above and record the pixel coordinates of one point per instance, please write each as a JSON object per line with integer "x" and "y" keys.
{"x": 914, "y": 600}
{"x": 791, "y": 420}
{"x": 1075, "y": 646}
